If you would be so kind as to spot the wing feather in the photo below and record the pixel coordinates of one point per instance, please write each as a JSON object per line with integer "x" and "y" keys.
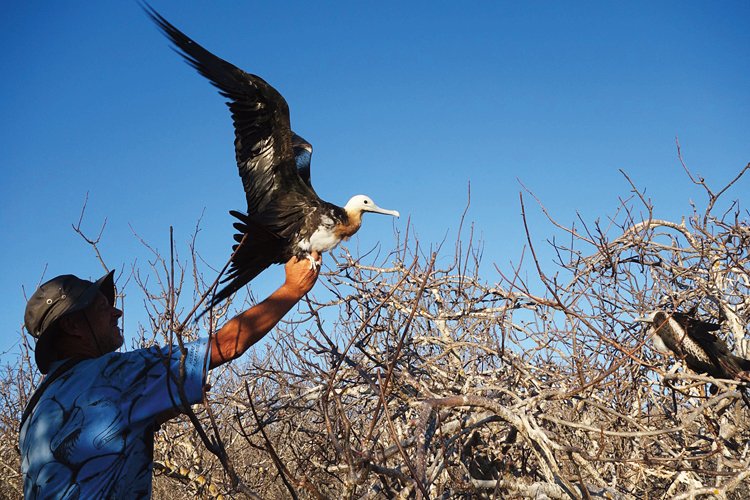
{"x": 263, "y": 138}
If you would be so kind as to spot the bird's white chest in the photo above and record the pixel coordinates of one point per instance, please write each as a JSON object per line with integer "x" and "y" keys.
{"x": 323, "y": 239}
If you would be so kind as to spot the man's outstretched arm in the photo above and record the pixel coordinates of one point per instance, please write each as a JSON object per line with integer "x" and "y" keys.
{"x": 245, "y": 329}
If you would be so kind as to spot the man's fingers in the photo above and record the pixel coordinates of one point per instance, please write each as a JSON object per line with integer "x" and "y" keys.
{"x": 317, "y": 257}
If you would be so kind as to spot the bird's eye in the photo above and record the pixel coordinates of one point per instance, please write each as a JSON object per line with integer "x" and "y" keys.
{"x": 366, "y": 202}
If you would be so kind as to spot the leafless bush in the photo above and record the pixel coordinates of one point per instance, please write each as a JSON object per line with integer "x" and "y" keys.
{"x": 409, "y": 375}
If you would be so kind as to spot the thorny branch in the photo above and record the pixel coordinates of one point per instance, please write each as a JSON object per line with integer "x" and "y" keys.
{"x": 92, "y": 242}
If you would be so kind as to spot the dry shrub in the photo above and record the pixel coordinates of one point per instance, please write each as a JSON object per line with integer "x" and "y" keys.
{"x": 408, "y": 375}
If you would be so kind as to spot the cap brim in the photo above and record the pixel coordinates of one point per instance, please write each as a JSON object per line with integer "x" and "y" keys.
{"x": 43, "y": 350}
{"x": 106, "y": 284}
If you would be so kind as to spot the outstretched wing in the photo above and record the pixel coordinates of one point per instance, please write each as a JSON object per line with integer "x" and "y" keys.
{"x": 263, "y": 137}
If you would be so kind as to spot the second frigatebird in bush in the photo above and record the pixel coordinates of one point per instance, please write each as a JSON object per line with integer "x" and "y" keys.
{"x": 285, "y": 217}
{"x": 686, "y": 337}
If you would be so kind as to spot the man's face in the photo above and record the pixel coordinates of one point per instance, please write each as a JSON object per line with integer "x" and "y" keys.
{"x": 103, "y": 318}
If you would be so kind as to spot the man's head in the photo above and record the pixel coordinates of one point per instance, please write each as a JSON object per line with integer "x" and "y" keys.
{"x": 75, "y": 316}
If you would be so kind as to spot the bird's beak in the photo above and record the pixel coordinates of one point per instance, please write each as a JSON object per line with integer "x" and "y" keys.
{"x": 377, "y": 210}
{"x": 643, "y": 319}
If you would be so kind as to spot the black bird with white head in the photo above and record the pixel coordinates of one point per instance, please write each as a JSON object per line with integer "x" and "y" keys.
{"x": 285, "y": 217}
{"x": 683, "y": 335}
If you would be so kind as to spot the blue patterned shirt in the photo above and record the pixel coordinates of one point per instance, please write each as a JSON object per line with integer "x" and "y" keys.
{"x": 91, "y": 433}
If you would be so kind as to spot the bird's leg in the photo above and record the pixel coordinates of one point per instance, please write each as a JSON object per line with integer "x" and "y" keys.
{"x": 313, "y": 262}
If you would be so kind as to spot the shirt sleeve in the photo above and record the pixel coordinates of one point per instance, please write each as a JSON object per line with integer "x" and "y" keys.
{"x": 162, "y": 378}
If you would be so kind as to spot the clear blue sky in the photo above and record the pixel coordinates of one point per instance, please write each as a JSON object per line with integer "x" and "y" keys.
{"x": 405, "y": 101}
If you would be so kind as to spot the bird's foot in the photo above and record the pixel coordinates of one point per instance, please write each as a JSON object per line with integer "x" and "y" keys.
{"x": 313, "y": 263}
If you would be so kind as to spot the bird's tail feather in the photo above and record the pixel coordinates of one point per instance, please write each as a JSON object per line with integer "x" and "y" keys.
{"x": 256, "y": 249}
{"x": 734, "y": 367}
{"x": 743, "y": 367}
{"x": 743, "y": 363}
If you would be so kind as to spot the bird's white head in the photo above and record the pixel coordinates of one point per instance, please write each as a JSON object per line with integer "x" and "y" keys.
{"x": 361, "y": 203}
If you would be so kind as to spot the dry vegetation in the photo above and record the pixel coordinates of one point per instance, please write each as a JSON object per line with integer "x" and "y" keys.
{"x": 409, "y": 376}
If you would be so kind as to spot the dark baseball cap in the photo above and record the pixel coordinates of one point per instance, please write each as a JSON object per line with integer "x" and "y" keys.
{"x": 54, "y": 299}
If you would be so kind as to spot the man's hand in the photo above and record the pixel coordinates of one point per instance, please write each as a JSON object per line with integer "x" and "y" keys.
{"x": 300, "y": 275}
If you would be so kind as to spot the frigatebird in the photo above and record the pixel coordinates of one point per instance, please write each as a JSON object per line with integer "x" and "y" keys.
{"x": 285, "y": 217}
{"x": 688, "y": 338}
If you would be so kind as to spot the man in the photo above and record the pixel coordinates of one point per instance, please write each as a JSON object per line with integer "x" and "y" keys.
{"x": 88, "y": 430}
